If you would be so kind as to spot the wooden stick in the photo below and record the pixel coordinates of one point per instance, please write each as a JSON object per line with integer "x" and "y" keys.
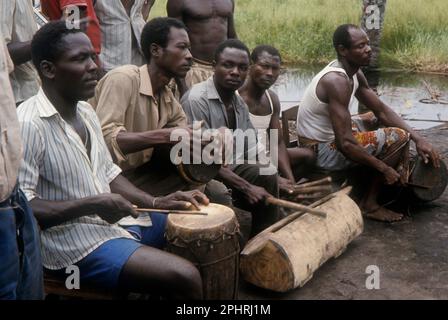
{"x": 312, "y": 189}
{"x": 191, "y": 212}
{"x": 326, "y": 180}
{"x": 309, "y": 196}
{"x": 295, "y": 206}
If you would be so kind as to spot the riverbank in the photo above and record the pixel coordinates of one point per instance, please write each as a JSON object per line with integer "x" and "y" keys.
{"x": 414, "y": 39}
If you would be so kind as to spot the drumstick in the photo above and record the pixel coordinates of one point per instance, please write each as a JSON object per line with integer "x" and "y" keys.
{"x": 295, "y": 206}
{"x": 309, "y": 196}
{"x": 323, "y": 188}
{"x": 326, "y": 180}
{"x": 191, "y": 212}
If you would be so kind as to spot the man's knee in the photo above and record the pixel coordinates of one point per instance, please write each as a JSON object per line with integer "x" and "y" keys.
{"x": 397, "y": 135}
{"x": 187, "y": 279}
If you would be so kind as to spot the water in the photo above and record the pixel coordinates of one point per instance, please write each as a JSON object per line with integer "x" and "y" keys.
{"x": 400, "y": 90}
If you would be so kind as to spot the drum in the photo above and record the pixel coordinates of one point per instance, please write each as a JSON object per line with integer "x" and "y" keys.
{"x": 193, "y": 174}
{"x": 286, "y": 255}
{"x": 426, "y": 182}
{"x": 211, "y": 243}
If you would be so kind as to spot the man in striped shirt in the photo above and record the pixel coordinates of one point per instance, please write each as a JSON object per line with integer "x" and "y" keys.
{"x": 121, "y": 23}
{"x": 76, "y": 191}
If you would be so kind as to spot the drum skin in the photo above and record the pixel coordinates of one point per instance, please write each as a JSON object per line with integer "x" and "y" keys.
{"x": 211, "y": 244}
{"x": 434, "y": 179}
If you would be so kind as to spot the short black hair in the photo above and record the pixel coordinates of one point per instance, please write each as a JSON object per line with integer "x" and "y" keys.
{"x": 230, "y": 43}
{"x": 342, "y": 36}
{"x": 157, "y": 31}
{"x": 47, "y": 42}
{"x": 256, "y": 53}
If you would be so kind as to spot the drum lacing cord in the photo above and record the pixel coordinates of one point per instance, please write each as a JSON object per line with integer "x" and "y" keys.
{"x": 181, "y": 240}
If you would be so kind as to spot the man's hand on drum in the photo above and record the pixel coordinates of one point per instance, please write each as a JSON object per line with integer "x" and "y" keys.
{"x": 182, "y": 200}
{"x": 427, "y": 152}
{"x": 112, "y": 207}
{"x": 255, "y": 194}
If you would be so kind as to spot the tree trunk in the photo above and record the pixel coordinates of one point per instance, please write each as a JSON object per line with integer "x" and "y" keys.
{"x": 372, "y": 23}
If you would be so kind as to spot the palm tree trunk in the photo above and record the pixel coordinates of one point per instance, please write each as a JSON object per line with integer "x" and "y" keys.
{"x": 372, "y": 22}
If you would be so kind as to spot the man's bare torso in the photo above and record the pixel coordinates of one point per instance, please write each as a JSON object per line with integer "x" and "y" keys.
{"x": 208, "y": 23}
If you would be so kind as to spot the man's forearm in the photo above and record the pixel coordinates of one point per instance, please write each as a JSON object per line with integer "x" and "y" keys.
{"x": 20, "y": 52}
{"x": 134, "y": 195}
{"x": 130, "y": 142}
{"x": 53, "y": 213}
{"x": 233, "y": 180}
{"x": 356, "y": 153}
{"x": 284, "y": 166}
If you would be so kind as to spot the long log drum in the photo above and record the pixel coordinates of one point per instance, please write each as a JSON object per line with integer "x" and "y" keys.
{"x": 285, "y": 255}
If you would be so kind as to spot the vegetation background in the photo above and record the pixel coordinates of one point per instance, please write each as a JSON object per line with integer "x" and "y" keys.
{"x": 415, "y": 36}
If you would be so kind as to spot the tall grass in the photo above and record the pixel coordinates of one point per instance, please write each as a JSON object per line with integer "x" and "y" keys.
{"x": 415, "y": 35}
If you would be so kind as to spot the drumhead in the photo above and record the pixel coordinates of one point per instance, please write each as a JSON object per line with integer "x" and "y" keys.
{"x": 433, "y": 180}
{"x": 217, "y": 215}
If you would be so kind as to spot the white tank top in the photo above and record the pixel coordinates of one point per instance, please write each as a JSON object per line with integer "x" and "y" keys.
{"x": 313, "y": 118}
{"x": 262, "y": 122}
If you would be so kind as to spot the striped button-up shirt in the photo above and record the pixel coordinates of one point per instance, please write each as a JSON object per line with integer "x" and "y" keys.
{"x": 117, "y": 31}
{"x": 56, "y": 167}
{"x": 17, "y": 24}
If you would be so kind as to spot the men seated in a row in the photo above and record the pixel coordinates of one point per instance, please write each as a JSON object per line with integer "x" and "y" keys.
{"x": 216, "y": 104}
{"x": 84, "y": 206}
{"x": 264, "y": 112}
{"x": 20, "y": 259}
{"x": 324, "y": 123}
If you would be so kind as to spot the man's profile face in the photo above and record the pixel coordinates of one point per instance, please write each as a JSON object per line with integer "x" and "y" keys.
{"x": 360, "y": 52}
{"x": 75, "y": 74}
{"x": 231, "y": 68}
{"x": 265, "y": 71}
{"x": 176, "y": 57}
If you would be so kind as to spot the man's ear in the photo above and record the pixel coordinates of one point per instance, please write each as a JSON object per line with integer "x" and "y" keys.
{"x": 47, "y": 69}
{"x": 156, "y": 50}
{"x": 342, "y": 50}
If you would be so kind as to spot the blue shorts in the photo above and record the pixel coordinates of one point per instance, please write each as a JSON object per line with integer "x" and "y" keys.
{"x": 102, "y": 267}
{"x": 20, "y": 257}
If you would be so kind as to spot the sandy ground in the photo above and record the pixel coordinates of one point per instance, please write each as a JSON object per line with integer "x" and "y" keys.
{"x": 412, "y": 256}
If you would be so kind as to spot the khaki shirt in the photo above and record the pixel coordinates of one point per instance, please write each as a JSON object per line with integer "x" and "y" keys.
{"x": 17, "y": 24}
{"x": 124, "y": 101}
{"x": 10, "y": 142}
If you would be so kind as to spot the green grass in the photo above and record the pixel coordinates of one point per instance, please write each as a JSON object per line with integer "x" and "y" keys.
{"x": 415, "y": 33}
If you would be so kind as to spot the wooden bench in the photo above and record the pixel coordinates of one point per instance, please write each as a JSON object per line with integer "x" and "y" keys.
{"x": 56, "y": 287}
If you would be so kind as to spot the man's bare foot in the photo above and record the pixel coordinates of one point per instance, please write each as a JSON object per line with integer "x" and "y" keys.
{"x": 384, "y": 215}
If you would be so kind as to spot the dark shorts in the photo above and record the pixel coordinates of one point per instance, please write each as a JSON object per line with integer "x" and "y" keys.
{"x": 103, "y": 266}
{"x": 20, "y": 257}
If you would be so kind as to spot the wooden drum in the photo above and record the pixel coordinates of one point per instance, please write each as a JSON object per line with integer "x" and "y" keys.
{"x": 193, "y": 174}
{"x": 211, "y": 243}
{"x": 286, "y": 255}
